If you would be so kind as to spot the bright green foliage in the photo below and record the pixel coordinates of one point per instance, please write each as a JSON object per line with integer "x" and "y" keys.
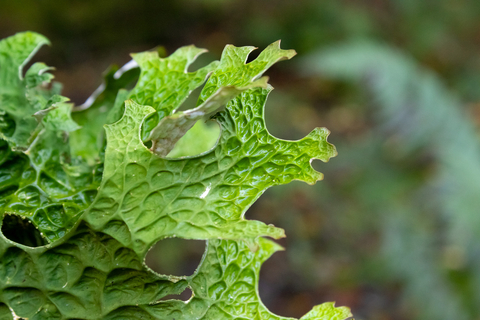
{"x": 165, "y": 83}
{"x": 101, "y": 213}
{"x": 39, "y": 180}
{"x": 170, "y": 129}
{"x": 226, "y": 287}
{"x": 17, "y": 91}
{"x": 230, "y": 78}
{"x": 88, "y": 143}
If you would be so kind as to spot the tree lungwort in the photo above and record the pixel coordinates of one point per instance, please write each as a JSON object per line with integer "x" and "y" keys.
{"x": 85, "y": 195}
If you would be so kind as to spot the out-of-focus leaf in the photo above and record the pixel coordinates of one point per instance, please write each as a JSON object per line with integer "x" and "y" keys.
{"x": 416, "y": 109}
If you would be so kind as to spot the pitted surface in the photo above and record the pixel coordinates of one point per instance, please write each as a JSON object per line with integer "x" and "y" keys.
{"x": 101, "y": 218}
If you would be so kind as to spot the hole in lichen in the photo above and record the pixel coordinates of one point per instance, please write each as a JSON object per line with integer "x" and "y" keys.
{"x": 184, "y": 296}
{"x": 174, "y": 256}
{"x": 202, "y": 60}
{"x": 192, "y": 99}
{"x": 253, "y": 55}
{"x": 22, "y": 231}
{"x": 199, "y": 139}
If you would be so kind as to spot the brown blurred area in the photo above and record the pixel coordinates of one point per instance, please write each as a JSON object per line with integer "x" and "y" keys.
{"x": 337, "y": 246}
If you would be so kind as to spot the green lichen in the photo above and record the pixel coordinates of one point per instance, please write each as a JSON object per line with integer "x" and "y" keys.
{"x": 100, "y": 212}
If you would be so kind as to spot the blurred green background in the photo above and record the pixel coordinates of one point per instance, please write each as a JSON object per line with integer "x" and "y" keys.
{"x": 393, "y": 231}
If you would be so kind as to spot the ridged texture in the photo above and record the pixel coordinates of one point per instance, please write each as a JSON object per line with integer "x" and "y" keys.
{"x": 128, "y": 197}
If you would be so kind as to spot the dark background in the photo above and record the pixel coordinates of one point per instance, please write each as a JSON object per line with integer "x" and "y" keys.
{"x": 374, "y": 234}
